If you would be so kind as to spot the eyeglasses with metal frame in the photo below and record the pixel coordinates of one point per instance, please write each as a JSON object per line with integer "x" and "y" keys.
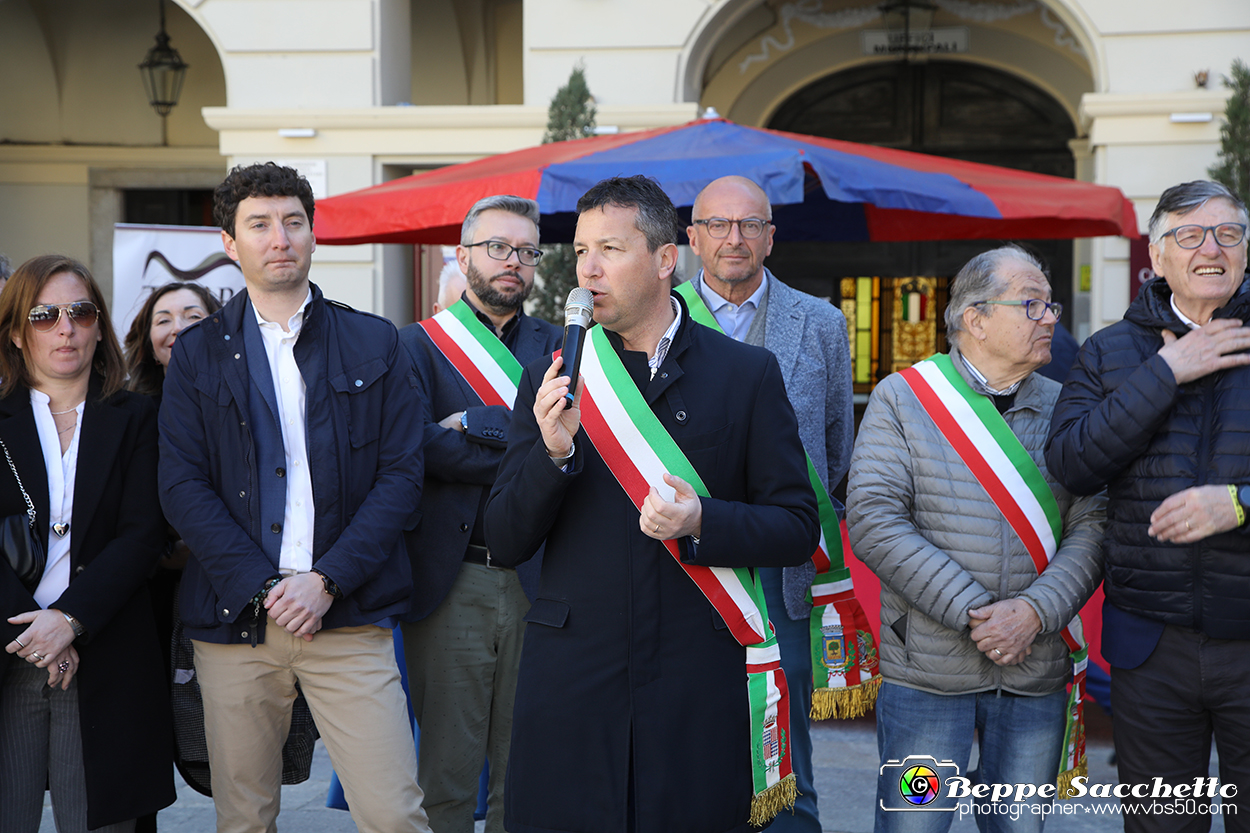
{"x": 44, "y": 318}
{"x": 498, "y": 250}
{"x": 1192, "y": 237}
{"x": 750, "y": 227}
{"x": 1034, "y": 308}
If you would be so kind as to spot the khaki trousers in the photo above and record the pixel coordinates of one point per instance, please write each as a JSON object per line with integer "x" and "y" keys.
{"x": 351, "y": 681}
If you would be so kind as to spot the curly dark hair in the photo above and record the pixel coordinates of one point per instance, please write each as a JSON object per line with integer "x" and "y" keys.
{"x": 267, "y": 179}
{"x": 21, "y": 295}
{"x": 146, "y": 373}
{"x": 657, "y": 218}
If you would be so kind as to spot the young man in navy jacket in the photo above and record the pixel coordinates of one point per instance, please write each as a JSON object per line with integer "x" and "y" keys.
{"x": 290, "y": 464}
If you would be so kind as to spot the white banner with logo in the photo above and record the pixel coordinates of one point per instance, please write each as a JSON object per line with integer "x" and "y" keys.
{"x": 145, "y": 257}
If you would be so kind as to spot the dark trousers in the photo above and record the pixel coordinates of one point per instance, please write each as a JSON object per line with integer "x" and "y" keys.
{"x": 1167, "y": 710}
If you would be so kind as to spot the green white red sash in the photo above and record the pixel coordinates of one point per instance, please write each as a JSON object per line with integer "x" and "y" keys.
{"x": 639, "y": 451}
{"x": 987, "y": 445}
{"x": 845, "y": 678}
{"x": 476, "y": 353}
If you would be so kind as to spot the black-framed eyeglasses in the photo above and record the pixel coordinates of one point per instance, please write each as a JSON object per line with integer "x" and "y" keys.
{"x": 45, "y": 317}
{"x": 498, "y": 250}
{"x": 1192, "y": 237}
{"x": 719, "y": 227}
{"x": 1034, "y": 308}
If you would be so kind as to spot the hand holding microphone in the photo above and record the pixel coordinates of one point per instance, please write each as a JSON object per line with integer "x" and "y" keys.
{"x": 578, "y": 311}
{"x": 555, "y": 401}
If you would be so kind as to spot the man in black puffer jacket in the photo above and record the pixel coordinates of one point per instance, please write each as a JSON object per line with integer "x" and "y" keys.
{"x": 1157, "y": 411}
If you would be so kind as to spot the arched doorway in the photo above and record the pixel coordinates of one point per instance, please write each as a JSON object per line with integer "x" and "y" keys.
{"x": 946, "y": 108}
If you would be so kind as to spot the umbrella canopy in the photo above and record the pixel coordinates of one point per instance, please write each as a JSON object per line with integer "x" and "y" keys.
{"x": 821, "y": 189}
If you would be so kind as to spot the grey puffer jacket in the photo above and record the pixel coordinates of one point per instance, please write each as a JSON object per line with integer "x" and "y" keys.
{"x": 920, "y": 520}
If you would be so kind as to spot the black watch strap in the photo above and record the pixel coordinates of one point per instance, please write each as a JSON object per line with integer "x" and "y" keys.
{"x": 331, "y": 587}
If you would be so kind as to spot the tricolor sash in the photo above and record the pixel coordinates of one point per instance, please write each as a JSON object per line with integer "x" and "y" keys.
{"x": 639, "y": 451}
{"x": 989, "y": 448}
{"x": 845, "y": 678}
{"x": 476, "y": 353}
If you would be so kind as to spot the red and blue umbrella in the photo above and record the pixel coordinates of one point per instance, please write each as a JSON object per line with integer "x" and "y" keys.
{"x": 821, "y": 189}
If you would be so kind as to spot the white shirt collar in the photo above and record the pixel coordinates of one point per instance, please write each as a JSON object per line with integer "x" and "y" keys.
{"x": 293, "y": 324}
{"x": 1185, "y": 319}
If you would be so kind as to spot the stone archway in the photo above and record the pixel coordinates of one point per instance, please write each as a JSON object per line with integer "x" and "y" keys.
{"x": 946, "y": 108}
{"x": 955, "y": 109}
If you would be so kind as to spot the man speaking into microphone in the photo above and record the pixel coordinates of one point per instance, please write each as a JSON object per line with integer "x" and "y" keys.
{"x": 650, "y": 695}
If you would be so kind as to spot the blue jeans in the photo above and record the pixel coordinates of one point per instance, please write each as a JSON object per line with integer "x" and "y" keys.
{"x": 795, "y": 640}
{"x": 1021, "y": 739}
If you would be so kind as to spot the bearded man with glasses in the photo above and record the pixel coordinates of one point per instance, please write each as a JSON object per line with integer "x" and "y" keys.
{"x": 1156, "y": 410}
{"x": 465, "y": 621}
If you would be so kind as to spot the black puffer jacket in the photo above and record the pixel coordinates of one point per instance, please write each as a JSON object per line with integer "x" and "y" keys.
{"x": 1123, "y": 423}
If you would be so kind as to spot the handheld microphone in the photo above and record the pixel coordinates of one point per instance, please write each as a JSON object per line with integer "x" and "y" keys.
{"x": 577, "y": 315}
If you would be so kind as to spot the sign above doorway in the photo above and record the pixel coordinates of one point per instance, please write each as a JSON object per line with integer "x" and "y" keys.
{"x": 941, "y": 41}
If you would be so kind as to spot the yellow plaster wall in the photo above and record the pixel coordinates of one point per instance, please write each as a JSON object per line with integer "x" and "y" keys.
{"x": 68, "y": 74}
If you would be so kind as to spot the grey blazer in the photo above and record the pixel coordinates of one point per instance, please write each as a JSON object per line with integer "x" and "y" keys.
{"x": 808, "y": 336}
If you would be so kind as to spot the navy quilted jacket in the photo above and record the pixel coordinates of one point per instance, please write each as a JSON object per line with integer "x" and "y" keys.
{"x": 1123, "y": 423}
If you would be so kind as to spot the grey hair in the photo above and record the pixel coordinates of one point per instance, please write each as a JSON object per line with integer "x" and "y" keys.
{"x": 6, "y": 268}
{"x": 519, "y": 206}
{"x": 450, "y": 271}
{"x": 979, "y": 281}
{"x": 1188, "y": 197}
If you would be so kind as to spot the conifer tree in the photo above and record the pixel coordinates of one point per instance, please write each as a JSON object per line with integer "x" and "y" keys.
{"x": 1233, "y": 163}
{"x": 570, "y": 116}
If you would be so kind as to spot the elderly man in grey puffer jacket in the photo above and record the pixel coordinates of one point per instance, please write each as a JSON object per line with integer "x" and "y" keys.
{"x": 971, "y": 632}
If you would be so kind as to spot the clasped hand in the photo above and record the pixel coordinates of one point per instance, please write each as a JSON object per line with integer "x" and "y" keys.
{"x": 1004, "y": 631}
{"x": 47, "y": 643}
{"x": 298, "y": 602}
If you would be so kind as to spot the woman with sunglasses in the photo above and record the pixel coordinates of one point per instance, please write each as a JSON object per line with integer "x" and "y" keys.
{"x": 82, "y": 699}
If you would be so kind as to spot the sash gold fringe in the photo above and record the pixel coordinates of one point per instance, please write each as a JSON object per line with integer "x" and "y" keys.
{"x": 1065, "y": 777}
{"x": 844, "y": 703}
{"x": 778, "y": 797}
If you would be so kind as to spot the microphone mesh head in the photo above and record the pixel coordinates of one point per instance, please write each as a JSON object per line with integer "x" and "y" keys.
{"x": 580, "y": 307}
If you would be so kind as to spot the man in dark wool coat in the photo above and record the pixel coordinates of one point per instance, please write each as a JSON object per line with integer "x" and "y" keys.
{"x": 676, "y": 470}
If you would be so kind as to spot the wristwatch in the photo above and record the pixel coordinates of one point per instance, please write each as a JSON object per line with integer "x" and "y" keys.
{"x": 1243, "y": 497}
{"x": 331, "y": 587}
{"x": 464, "y": 422}
{"x": 79, "y": 630}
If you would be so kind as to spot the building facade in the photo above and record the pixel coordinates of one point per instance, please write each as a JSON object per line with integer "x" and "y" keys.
{"x": 357, "y": 92}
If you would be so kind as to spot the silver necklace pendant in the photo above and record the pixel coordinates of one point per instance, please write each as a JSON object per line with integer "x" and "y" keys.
{"x": 60, "y": 529}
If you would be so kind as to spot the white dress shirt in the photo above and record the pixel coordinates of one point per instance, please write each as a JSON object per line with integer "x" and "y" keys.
{"x": 288, "y": 384}
{"x": 1185, "y": 319}
{"x": 62, "y": 470}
